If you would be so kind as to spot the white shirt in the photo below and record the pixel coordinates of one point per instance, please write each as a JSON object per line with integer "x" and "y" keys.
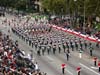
{"x": 23, "y": 52}
{"x": 5, "y": 53}
{"x": 36, "y": 67}
{"x": 29, "y": 56}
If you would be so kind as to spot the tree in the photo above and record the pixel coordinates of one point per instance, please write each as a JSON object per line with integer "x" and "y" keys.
{"x": 85, "y": 8}
{"x": 54, "y": 6}
{"x": 21, "y": 5}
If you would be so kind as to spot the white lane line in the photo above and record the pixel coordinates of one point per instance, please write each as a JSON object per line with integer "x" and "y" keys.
{"x": 94, "y": 67}
{"x": 59, "y": 62}
{"x": 89, "y": 69}
{"x": 69, "y": 72}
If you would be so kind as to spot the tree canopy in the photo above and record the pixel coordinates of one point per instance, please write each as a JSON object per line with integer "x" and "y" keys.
{"x": 91, "y": 7}
{"x": 55, "y": 6}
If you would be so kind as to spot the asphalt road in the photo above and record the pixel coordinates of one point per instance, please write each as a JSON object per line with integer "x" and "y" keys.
{"x": 51, "y": 64}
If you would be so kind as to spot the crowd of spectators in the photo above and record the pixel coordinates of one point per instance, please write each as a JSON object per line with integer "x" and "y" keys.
{"x": 13, "y": 60}
{"x": 67, "y": 23}
{"x": 97, "y": 34}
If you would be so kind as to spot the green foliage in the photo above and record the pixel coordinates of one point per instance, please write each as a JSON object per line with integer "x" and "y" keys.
{"x": 55, "y": 6}
{"x": 21, "y": 4}
{"x": 18, "y": 4}
{"x": 91, "y": 7}
{"x": 97, "y": 27}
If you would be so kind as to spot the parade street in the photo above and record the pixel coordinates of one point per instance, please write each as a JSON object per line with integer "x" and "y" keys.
{"x": 52, "y": 63}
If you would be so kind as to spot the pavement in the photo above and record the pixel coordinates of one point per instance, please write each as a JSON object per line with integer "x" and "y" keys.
{"x": 51, "y": 64}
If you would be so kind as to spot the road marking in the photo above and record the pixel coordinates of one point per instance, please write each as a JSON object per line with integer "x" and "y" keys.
{"x": 50, "y": 58}
{"x": 69, "y": 72}
{"x": 94, "y": 67}
{"x": 89, "y": 69}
